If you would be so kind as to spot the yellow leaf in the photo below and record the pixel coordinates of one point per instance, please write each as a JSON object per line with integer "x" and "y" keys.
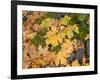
{"x": 87, "y": 37}
{"x": 70, "y": 34}
{"x": 75, "y": 63}
{"x": 51, "y": 37}
{"x": 46, "y": 23}
{"x": 67, "y": 46}
{"x": 60, "y": 58}
{"x": 65, "y": 20}
{"x": 75, "y": 28}
{"x": 61, "y": 36}
{"x": 69, "y": 30}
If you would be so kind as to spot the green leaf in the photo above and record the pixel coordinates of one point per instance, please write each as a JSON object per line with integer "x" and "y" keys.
{"x": 50, "y": 15}
{"x": 47, "y": 15}
{"x": 76, "y": 18}
{"x": 41, "y": 19}
{"x": 43, "y": 31}
{"x": 56, "y": 49}
{"x": 81, "y": 17}
{"x": 45, "y": 23}
{"x": 38, "y": 40}
{"x": 65, "y": 20}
